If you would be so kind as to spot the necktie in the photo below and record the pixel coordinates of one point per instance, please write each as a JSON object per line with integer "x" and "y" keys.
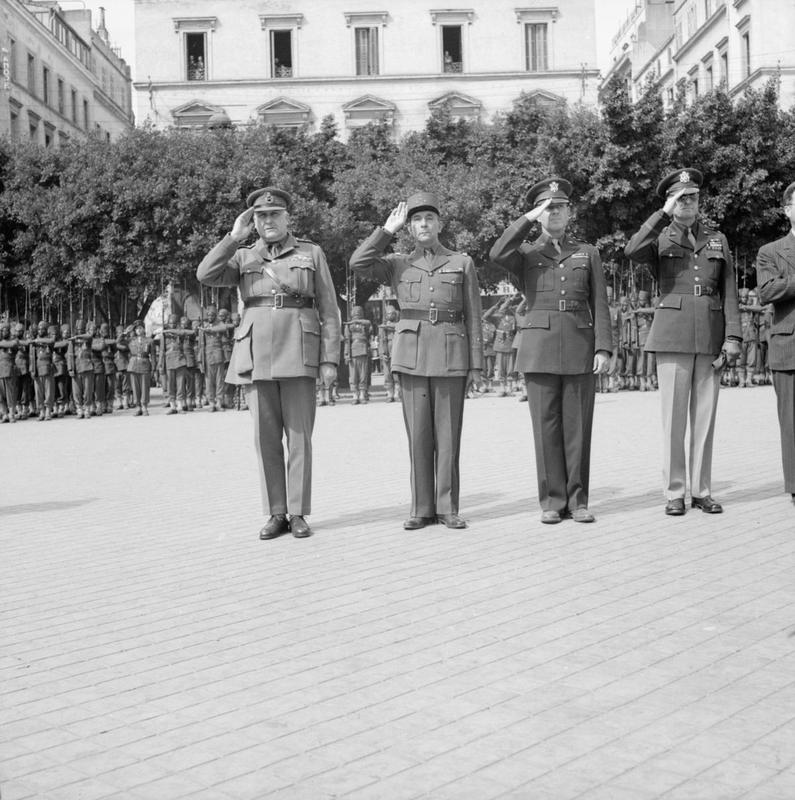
{"x": 556, "y": 245}
{"x": 428, "y": 254}
{"x": 274, "y": 250}
{"x": 691, "y": 238}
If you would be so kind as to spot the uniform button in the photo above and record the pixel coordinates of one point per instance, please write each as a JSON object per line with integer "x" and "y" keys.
{"x": 273, "y": 291}
{"x": 431, "y": 288}
{"x": 433, "y": 304}
{"x": 696, "y": 278}
{"x": 563, "y": 277}
{"x": 563, "y": 291}
{"x": 695, "y": 266}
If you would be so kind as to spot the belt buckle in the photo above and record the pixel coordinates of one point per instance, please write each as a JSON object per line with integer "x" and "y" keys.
{"x": 561, "y": 305}
{"x": 697, "y": 290}
{"x": 278, "y": 301}
{"x": 433, "y": 316}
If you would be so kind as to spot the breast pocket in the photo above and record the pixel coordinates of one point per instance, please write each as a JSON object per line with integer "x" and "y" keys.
{"x": 302, "y": 275}
{"x": 714, "y": 266}
{"x": 540, "y": 277}
{"x": 581, "y": 276}
{"x": 408, "y": 287}
{"x": 251, "y": 281}
{"x": 453, "y": 283}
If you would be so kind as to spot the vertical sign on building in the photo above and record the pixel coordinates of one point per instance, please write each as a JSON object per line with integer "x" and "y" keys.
{"x": 6, "y": 69}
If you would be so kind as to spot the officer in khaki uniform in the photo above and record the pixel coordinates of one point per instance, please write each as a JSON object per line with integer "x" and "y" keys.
{"x": 697, "y": 317}
{"x": 565, "y": 341}
{"x": 437, "y": 350}
{"x": 289, "y": 333}
{"x": 775, "y": 273}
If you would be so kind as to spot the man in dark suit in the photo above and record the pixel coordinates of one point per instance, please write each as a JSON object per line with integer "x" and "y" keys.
{"x": 697, "y": 318}
{"x": 565, "y": 340}
{"x": 437, "y": 349}
{"x": 775, "y": 274}
{"x": 289, "y": 334}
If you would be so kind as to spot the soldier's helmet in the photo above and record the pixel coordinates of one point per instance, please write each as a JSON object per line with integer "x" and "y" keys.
{"x": 223, "y": 314}
{"x": 66, "y": 330}
{"x": 19, "y": 330}
{"x": 104, "y": 329}
{"x": 41, "y": 328}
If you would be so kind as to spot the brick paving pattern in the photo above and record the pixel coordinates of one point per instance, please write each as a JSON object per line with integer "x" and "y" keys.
{"x": 152, "y": 648}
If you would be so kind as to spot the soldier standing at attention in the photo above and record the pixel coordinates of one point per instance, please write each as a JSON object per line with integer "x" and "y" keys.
{"x": 646, "y": 362}
{"x": 139, "y": 368}
{"x": 228, "y": 391}
{"x": 121, "y": 358}
{"x": 211, "y": 338}
{"x": 173, "y": 364}
{"x": 438, "y": 349}
{"x": 22, "y": 372}
{"x": 357, "y": 354}
{"x": 290, "y": 332}
{"x": 189, "y": 350}
{"x": 83, "y": 371}
{"x": 386, "y": 340}
{"x": 8, "y": 378}
{"x": 109, "y": 364}
{"x": 42, "y": 370}
{"x": 565, "y": 342}
{"x": 488, "y": 331}
{"x": 697, "y": 317}
{"x": 775, "y": 271}
{"x": 503, "y": 347}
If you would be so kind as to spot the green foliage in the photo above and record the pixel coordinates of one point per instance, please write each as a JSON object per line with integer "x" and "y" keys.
{"x": 117, "y": 221}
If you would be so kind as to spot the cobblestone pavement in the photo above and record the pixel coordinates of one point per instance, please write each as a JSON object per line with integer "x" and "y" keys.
{"x": 151, "y": 647}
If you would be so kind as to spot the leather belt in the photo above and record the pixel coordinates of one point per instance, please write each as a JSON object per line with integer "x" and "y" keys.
{"x": 562, "y": 305}
{"x": 698, "y": 291}
{"x": 432, "y": 315}
{"x": 280, "y": 301}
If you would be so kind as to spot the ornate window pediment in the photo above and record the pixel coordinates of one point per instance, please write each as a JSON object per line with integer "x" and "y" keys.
{"x": 460, "y": 105}
{"x": 366, "y": 18}
{"x": 285, "y": 113}
{"x": 194, "y": 23}
{"x": 368, "y": 108}
{"x": 452, "y": 16}
{"x": 194, "y": 114}
{"x": 268, "y": 21}
{"x": 544, "y": 14}
{"x": 544, "y": 98}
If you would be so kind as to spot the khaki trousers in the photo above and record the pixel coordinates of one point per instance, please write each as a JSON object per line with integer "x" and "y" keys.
{"x": 284, "y": 409}
{"x": 433, "y": 410}
{"x": 689, "y": 388}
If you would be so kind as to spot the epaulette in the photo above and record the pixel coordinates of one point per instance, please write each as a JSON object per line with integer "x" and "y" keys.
{"x": 305, "y": 241}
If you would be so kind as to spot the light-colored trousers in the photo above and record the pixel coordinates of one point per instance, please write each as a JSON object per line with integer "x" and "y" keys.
{"x": 284, "y": 409}
{"x": 689, "y": 389}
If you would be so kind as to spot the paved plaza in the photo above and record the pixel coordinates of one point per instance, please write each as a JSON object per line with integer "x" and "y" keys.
{"x": 152, "y": 648}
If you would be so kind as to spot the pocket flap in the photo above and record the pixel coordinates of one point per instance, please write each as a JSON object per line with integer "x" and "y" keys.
{"x": 310, "y": 325}
{"x": 244, "y": 329}
{"x": 407, "y": 325}
{"x": 785, "y": 327}
{"x": 536, "y": 319}
{"x": 670, "y": 301}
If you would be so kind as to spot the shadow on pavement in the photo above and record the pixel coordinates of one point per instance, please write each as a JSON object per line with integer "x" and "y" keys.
{"x": 55, "y": 505}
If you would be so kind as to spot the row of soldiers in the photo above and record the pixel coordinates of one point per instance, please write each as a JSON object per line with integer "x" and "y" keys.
{"x": 50, "y": 371}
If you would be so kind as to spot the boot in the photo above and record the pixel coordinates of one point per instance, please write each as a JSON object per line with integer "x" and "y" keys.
{"x": 145, "y": 410}
{"x": 138, "y": 412}
{"x": 172, "y": 408}
{"x": 365, "y": 397}
{"x": 355, "y": 397}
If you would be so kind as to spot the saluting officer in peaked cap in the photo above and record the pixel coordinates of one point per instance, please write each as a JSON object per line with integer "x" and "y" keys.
{"x": 557, "y": 190}
{"x": 269, "y": 199}
{"x": 422, "y": 201}
{"x": 686, "y": 181}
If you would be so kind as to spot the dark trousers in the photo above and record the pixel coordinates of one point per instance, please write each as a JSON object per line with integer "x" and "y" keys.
{"x": 784, "y": 384}
{"x": 360, "y": 373}
{"x": 561, "y": 410}
{"x": 8, "y": 393}
{"x": 62, "y": 389}
{"x": 99, "y": 390}
{"x": 433, "y": 410}
{"x": 122, "y": 387}
{"x": 215, "y": 381}
{"x": 83, "y": 388}
{"x": 284, "y": 409}
{"x": 176, "y": 384}
{"x": 45, "y": 391}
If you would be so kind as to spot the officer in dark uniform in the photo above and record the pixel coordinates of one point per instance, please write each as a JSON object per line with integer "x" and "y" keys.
{"x": 775, "y": 271}
{"x": 386, "y": 340}
{"x": 565, "y": 341}
{"x": 438, "y": 349}
{"x": 290, "y": 331}
{"x": 356, "y": 350}
{"x": 697, "y": 317}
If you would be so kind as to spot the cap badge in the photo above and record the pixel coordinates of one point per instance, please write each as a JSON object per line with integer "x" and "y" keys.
{"x": 268, "y": 198}
{"x": 553, "y": 187}
{"x": 684, "y": 176}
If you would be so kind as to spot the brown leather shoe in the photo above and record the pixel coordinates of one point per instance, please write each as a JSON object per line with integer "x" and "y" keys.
{"x": 706, "y": 504}
{"x": 415, "y": 523}
{"x": 551, "y": 517}
{"x": 582, "y": 515}
{"x": 675, "y": 507}
{"x": 451, "y": 521}
{"x": 275, "y": 526}
{"x": 300, "y": 527}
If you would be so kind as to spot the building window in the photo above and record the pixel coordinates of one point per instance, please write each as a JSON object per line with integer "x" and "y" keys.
{"x": 12, "y": 59}
{"x": 724, "y": 68}
{"x": 85, "y": 115}
{"x": 33, "y": 126}
{"x": 31, "y": 74}
{"x": 45, "y": 85}
{"x": 669, "y": 96}
{"x": 366, "y": 51}
{"x": 61, "y": 97}
{"x": 282, "y": 54}
{"x": 14, "y": 121}
{"x": 709, "y": 78}
{"x": 692, "y": 23}
{"x": 49, "y": 135}
{"x": 74, "y": 106}
{"x": 535, "y": 34}
{"x": 196, "y": 56}
{"x": 452, "y": 49}
{"x": 694, "y": 87}
{"x": 746, "y": 46}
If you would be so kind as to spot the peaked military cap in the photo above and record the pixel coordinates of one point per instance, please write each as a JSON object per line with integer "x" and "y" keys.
{"x": 269, "y": 199}
{"x": 555, "y": 189}
{"x": 422, "y": 201}
{"x": 688, "y": 179}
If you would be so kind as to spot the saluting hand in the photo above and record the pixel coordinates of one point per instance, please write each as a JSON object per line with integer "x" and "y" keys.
{"x": 535, "y": 213}
{"x": 668, "y": 208}
{"x": 397, "y": 219}
{"x": 243, "y": 226}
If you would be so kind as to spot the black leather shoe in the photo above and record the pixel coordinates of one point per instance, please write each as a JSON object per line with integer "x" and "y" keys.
{"x": 706, "y": 504}
{"x": 551, "y": 517}
{"x": 415, "y": 523}
{"x": 300, "y": 527}
{"x": 451, "y": 521}
{"x": 675, "y": 507}
{"x": 275, "y": 526}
